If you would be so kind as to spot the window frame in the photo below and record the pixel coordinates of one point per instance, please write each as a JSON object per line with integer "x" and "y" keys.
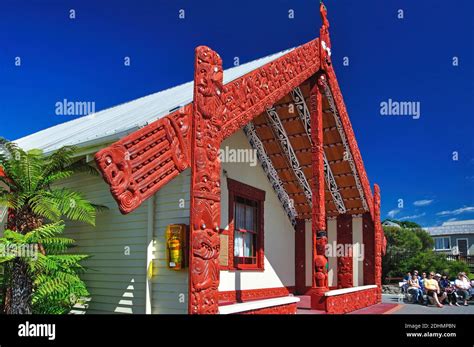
{"x": 238, "y": 189}
{"x": 444, "y": 239}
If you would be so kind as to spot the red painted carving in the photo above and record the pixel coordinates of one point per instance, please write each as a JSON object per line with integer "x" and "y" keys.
{"x": 141, "y": 163}
{"x": 282, "y": 309}
{"x": 344, "y": 303}
{"x": 354, "y": 148}
{"x": 344, "y": 272}
{"x": 378, "y": 239}
{"x": 318, "y": 213}
{"x": 326, "y": 66}
{"x": 161, "y": 151}
{"x": 205, "y": 183}
{"x": 344, "y": 264}
{"x": 321, "y": 272}
{"x": 250, "y": 95}
{"x": 317, "y": 158}
{"x": 233, "y": 296}
{"x": 324, "y": 39}
{"x": 321, "y": 242}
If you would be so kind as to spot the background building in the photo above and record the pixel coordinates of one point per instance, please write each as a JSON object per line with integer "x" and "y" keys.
{"x": 456, "y": 239}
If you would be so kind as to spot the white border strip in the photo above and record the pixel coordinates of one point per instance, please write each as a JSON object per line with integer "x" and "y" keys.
{"x": 257, "y": 304}
{"x": 349, "y": 290}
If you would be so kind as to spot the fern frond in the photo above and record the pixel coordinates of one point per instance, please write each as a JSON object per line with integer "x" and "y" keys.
{"x": 45, "y": 232}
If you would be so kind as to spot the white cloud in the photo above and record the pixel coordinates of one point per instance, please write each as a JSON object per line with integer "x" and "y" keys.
{"x": 456, "y": 211}
{"x": 413, "y": 216}
{"x": 452, "y": 219}
{"x": 393, "y": 213}
{"x": 422, "y": 202}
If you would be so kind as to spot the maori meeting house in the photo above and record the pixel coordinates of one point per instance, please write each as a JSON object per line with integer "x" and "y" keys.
{"x": 187, "y": 232}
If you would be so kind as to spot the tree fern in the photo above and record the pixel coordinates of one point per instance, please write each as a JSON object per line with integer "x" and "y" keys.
{"x": 57, "y": 286}
{"x": 29, "y": 190}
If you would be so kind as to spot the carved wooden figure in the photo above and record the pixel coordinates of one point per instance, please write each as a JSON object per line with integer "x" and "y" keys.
{"x": 318, "y": 191}
{"x": 205, "y": 182}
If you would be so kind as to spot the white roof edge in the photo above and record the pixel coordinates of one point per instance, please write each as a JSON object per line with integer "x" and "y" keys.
{"x": 115, "y": 122}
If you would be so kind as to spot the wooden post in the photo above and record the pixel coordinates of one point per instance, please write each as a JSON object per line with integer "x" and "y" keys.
{"x": 205, "y": 183}
{"x": 320, "y": 277}
{"x": 344, "y": 263}
{"x": 378, "y": 241}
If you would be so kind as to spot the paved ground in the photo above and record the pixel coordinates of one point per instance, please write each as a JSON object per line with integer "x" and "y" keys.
{"x": 406, "y": 308}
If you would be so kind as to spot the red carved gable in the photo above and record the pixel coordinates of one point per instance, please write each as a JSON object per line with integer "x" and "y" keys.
{"x": 137, "y": 166}
{"x": 141, "y": 163}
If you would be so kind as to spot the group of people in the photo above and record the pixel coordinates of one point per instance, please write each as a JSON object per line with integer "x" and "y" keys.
{"x": 438, "y": 287}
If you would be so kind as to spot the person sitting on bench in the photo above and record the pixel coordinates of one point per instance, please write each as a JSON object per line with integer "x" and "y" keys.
{"x": 415, "y": 289}
{"x": 462, "y": 287}
{"x": 448, "y": 288}
{"x": 432, "y": 289}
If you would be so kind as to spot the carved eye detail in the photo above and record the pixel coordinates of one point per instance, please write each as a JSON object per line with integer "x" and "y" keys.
{"x": 108, "y": 160}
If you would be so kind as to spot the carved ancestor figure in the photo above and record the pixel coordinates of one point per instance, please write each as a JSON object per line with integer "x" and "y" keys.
{"x": 324, "y": 15}
{"x": 344, "y": 272}
{"x": 205, "y": 195}
{"x": 321, "y": 273}
{"x": 325, "y": 42}
{"x": 321, "y": 242}
{"x": 205, "y": 277}
{"x": 114, "y": 163}
{"x": 210, "y": 86}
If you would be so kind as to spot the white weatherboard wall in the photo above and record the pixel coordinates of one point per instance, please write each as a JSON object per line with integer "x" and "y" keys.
{"x": 117, "y": 245}
{"x": 357, "y": 241}
{"x": 170, "y": 287}
{"x": 279, "y": 233}
{"x": 116, "y": 276}
{"x": 332, "y": 261}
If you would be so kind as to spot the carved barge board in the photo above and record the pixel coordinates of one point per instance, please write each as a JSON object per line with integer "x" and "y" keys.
{"x": 141, "y": 163}
{"x": 379, "y": 235}
{"x": 352, "y": 142}
{"x": 241, "y": 100}
{"x": 252, "y": 94}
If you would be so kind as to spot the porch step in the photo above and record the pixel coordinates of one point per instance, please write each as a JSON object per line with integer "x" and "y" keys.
{"x": 304, "y": 303}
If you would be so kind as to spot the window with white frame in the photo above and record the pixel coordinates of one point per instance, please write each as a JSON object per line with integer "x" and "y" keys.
{"x": 442, "y": 243}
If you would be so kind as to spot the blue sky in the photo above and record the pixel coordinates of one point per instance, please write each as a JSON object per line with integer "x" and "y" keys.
{"x": 405, "y": 60}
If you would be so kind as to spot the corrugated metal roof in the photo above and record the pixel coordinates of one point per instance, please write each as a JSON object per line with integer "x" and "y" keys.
{"x": 452, "y": 228}
{"x": 113, "y": 123}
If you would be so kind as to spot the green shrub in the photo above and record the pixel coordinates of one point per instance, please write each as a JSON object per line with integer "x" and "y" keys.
{"x": 410, "y": 249}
